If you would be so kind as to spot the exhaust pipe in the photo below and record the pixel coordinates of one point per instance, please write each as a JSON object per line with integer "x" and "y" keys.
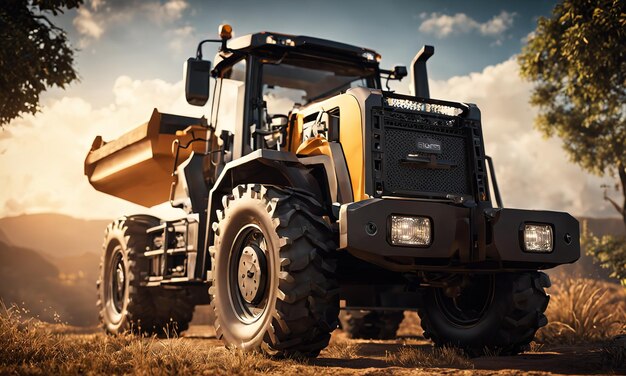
{"x": 420, "y": 75}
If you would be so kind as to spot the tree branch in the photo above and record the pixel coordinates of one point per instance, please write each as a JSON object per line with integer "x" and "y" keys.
{"x": 50, "y": 24}
{"x": 621, "y": 169}
{"x": 619, "y": 209}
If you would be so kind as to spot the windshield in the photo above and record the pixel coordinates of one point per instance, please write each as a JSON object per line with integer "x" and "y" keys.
{"x": 287, "y": 85}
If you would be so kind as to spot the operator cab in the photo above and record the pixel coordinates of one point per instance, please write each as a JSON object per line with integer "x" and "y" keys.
{"x": 271, "y": 76}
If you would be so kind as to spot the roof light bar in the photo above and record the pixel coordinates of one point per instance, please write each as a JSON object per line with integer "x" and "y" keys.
{"x": 407, "y": 104}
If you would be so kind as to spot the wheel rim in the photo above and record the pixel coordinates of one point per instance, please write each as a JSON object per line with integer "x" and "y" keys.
{"x": 471, "y": 305}
{"x": 117, "y": 277}
{"x": 248, "y": 274}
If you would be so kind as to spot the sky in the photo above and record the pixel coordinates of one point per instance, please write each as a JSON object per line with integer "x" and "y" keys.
{"x": 130, "y": 54}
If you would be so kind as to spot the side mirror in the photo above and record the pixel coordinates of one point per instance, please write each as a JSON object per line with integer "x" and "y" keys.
{"x": 197, "y": 73}
{"x": 399, "y": 72}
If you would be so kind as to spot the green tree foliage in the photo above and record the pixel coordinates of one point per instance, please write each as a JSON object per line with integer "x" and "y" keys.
{"x": 608, "y": 251}
{"x": 577, "y": 61}
{"x": 35, "y": 54}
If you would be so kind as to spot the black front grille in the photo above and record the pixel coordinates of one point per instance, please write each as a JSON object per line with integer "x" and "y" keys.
{"x": 404, "y": 170}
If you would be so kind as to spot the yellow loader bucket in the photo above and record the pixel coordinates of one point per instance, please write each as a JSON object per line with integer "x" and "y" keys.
{"x": 138, "y": 165}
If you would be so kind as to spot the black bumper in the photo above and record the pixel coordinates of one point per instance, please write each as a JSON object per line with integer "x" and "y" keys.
{"x": 462, "y": 238}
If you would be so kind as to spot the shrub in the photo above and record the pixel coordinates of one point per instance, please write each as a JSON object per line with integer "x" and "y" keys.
{"x": 583, "y": 310}
{"x": 608, "y": 251}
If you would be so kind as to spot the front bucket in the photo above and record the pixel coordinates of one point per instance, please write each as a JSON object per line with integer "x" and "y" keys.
{"x": 138, "y": 165}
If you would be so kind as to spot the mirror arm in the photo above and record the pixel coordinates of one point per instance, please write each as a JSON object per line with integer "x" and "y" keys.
{"x": 199, "y": 49}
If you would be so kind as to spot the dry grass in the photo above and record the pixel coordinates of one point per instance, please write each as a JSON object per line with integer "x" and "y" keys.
{"x": 28, "y": 346}
{"x": 342, "y": 349}
{"x": 535, "y": 347}
{"x": 443, "y": 357}
{"x": 580, "y": 311}
{"x": 583, "y": 310}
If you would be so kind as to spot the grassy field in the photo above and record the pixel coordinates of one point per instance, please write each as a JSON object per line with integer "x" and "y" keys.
{"x": 584, "y": 317}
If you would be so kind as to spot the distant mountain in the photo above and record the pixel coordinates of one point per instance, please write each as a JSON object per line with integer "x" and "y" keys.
{"x": 54, "y": 234}
{"x": 3, "y": 237}
{"x": 49, "y": 263}
{"x": 85, "y": 266}
{"x": 30, "y": 281}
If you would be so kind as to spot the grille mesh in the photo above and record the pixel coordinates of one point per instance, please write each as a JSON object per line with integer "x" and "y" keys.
{"x": 401, "y": 132}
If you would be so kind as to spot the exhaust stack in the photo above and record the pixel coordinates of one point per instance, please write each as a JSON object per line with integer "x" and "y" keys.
{"x": 420, "y": 75}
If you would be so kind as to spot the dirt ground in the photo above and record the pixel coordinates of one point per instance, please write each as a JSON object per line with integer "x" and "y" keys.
{"x": 198, "y": 352}
{"x": 36, "y": 348}
{"x": 371, "y": 356}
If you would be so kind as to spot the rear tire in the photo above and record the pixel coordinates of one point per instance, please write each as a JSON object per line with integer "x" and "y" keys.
{"x": 273, "y": 275}
{"x": 496, "y": 314}
{"x": 124, "y": 304}
{"x": 371, "y": 324}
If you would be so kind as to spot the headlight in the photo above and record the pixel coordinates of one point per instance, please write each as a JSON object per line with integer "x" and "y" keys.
{"x": 538, "y": 238}
{"x": 410, "y": 230}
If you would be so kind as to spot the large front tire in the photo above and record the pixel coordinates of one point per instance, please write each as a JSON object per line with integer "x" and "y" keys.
{"x": 124, "y": 304}
{"x": 273, "y": 275}
{"x": 495, "y": 314}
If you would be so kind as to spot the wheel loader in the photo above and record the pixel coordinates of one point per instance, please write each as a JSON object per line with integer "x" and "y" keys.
{"x": 307, "y": 184}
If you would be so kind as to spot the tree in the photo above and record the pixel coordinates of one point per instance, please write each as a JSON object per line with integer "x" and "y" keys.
{"x": 35, "y": 54}
{"x": 577, "y": 60}
{"x": 608, "y": 251}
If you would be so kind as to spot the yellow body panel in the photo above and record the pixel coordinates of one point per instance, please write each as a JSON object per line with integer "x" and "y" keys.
{"x": 350, "y": 137}
{"x": 315, "y": 146}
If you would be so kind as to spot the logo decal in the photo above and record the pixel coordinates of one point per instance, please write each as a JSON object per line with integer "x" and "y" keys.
{"x": 428, "y": 145}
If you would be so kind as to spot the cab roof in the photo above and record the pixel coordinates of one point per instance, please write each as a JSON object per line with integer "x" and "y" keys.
{"x": 265, "y": 40}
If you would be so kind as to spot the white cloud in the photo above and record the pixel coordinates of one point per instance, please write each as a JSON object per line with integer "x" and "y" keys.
{"x": 160, "y": 13}
{"x": 173, "y": 9}
{"x": 96, "y": 16}
{"x": 41, "y": 156}
{"x": 532, "y": 172}
{"x": 527, "y": 37}
{"x": 498, "y": 24}
{"x": 95, "y": 4}
{"x": 180, "y": 38}
{"x": 88, "y": 27}
{"x": 184, "y": 31}
{"x": 442, "y": 25}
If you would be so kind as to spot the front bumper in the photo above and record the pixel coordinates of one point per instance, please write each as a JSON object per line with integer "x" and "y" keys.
{"x": 462, "y": 238}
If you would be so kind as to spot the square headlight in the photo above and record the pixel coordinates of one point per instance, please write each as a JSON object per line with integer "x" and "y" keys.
{"x": 538, "y": 238}
{"x": 415, "y": 231}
